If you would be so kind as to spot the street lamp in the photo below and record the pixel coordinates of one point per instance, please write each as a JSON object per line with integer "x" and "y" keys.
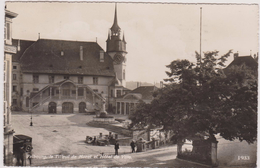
{"x": 30, "y": 110}
{"x": 31, "y": 123}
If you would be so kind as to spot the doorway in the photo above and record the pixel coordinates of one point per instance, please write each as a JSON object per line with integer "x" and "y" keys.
{"x": 67, "y": 107}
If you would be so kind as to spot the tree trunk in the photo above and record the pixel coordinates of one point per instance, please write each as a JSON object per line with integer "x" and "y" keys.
{"x": 179, "y": 146}
{"x": 214, "y": 149}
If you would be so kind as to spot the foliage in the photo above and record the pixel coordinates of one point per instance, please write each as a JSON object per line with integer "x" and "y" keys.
{"x": 204, "y": 99}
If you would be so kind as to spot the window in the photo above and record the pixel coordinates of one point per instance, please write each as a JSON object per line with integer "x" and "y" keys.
{"x": 95, "y": 80}
{"x": 66, "y": 77}
{"x": 21, "y": 91}
{"x": 66, "y": 92}
{"x": 35, "y": 89}
{"x": 95, "y": 90}
{"x": 8, "y": 33}
{"x": 124, "y": 74}
{"x": 80, "y": 92}
{"x": 73, "y": 91}
{"x": 14, "y": 101}
{"x": 35, "y": 78}
{"x": 118, "y": 93}
{"x": 14, "y": 88}
{"x": 112, "y": 93}
{"x": 14, "y": 76}
{"x": 51, "y": 79}
{"x": 80, "y": 79}
{"x": 14, "y": 67}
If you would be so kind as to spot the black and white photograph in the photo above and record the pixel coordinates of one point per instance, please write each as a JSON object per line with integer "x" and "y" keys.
{"x": 129, "y": 84}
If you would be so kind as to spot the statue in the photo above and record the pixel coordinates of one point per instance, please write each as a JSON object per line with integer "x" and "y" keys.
{"x": 102, "y": 113}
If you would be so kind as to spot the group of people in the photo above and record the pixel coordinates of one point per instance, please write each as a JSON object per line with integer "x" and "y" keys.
{"x": 132, "y": 144}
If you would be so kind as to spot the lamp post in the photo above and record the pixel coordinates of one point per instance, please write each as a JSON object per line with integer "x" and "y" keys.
{"x": 31, "y": 123}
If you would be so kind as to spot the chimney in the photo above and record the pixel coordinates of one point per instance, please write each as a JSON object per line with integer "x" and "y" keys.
{"x": 81, "y": 52}
{"x": 137, "y": 83}
{"x": 236, "y": 55}
{"x": 161, "y": 84}
{"x": 19, "y": 46}
{"x": 101, "y": 53}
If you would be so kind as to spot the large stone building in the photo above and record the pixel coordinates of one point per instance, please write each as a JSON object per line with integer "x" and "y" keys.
{"x": 9, "y": 50}
{"x": 59, "y": 76}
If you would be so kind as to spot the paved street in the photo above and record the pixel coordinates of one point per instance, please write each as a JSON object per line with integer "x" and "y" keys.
{"x": 58, "y": 140}
{"x": 162, "y": 157}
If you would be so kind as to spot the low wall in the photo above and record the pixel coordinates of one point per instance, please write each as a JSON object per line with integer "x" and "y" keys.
{"x": 103, "y": 119}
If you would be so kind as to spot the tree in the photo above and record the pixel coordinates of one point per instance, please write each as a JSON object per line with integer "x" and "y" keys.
{"x": 201, "y": 99}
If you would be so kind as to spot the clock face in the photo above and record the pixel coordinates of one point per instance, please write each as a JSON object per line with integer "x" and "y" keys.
{"x": 118, "y": 59}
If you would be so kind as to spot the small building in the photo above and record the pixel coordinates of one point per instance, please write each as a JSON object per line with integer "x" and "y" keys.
{"x": 126, "y": 103}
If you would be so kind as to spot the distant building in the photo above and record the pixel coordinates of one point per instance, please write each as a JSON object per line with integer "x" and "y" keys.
{"x": 17, "y": 96}
{"x": 9, "y": 50}
{"x": 59, "y": 76}
{"x": 249, "y": 61}
{"x": 126, "y": 103}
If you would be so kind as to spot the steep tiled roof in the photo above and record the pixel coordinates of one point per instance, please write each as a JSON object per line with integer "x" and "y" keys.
{"x": 145, "y": 91}
{"x": 247, "y": 60}
{"x": 44, "y": 56}
{"x": 24, "y": 44}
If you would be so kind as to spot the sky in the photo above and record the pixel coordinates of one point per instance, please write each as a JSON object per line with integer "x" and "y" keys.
{"x": 156, "y": 34}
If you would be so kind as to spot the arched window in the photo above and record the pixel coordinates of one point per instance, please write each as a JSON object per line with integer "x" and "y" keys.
{"x": 124, "y": 74}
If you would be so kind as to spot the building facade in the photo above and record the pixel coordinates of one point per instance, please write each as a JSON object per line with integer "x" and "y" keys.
{"x": 9, "y": 50}
{"x": 59, "y": 76}
{"x": 126, "y": 103}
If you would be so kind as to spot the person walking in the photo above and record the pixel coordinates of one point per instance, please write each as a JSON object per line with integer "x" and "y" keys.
{"x": 132, "y": 144}
{"x": 116, "y": 148}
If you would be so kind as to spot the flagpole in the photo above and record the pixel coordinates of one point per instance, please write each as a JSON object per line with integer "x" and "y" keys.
{"x": 200, "y": 30}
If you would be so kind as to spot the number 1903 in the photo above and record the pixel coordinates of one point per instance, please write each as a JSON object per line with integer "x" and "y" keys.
{"x": 243, "y": 158}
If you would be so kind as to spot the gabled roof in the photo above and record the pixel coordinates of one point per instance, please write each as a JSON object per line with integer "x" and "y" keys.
{"x": 44, "y": 56}
{"x": 10, "y": 14}
{"x": 24, "y": 44}
{"x": 145, "y": 91}
{"x": 247, "y": 60}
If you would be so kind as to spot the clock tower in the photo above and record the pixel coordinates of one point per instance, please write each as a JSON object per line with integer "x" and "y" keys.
{"x": 116, "y": 48}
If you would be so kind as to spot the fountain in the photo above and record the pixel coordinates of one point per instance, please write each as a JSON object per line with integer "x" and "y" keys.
{"x": 102, "y": 116}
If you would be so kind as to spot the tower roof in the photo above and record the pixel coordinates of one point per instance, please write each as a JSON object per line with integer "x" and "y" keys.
{"x": 124, "y": 37}
{"x": 115, "y": 26}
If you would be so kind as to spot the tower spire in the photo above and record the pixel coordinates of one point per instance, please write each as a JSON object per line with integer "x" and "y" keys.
{"x": 115, "y": 27}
